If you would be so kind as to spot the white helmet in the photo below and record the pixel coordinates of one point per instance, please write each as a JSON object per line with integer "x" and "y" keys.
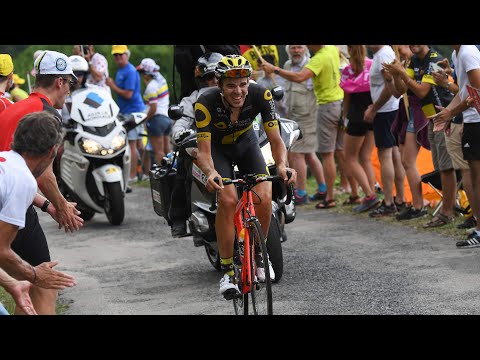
{"x": 78, "y": 63}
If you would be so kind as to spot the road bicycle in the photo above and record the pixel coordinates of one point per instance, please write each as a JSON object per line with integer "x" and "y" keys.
{"x": 250, "y": 249}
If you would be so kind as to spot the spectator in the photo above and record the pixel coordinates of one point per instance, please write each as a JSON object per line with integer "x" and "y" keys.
{"x": 324, "y": 69}
{"x": 359, "y": 140}
{"x": 16, "y": 92}
{"x": 466, "y": 60}
{"x": 6, "y": 80}
{"x": 129, "y": 98}
{"x": 19, "y": 290}
{"x": 410, "y": 127}
{"x": 36, "y": 54}
{"x": 302, "y": 107}
{"x": 186, "y": 56}
{"x": 156, "y": 97}
{"x": 52, "y": 84}
{"x": 98, "y": 67}
{"x": 35, "y": 143}
{"x": 270, "y": 81}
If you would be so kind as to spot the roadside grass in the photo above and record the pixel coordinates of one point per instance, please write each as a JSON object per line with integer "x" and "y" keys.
{"x": 446, "y": 230}
{"x": 7, "y": 301}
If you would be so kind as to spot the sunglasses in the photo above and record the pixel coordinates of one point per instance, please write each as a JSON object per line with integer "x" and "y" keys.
{"x": 71, "y": 83}
{"x": 116, "y": 55}
{"x": 237, "y": 73}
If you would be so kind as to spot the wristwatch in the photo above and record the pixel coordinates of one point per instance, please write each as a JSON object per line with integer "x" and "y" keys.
{"x": 277, "y": 71}
{"x": 45, "y": 205}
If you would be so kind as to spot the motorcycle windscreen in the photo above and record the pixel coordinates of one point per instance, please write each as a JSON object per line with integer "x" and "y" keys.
{"x": 93, "y": 106}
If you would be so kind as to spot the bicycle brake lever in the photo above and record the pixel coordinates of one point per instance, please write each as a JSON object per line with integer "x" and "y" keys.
{"x": 289, "y": 189}
{"x": 215, "y": 196}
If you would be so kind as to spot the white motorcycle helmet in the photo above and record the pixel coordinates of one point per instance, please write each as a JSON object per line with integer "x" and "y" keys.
{"x": 80, "y": 67}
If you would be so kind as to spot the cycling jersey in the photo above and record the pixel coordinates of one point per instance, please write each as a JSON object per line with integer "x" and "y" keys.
{"x": 212, "y": 116}
{"x": 421, "y": 71}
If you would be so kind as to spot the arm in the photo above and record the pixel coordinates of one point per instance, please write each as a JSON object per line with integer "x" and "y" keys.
{"x": 42, "y": 275}
{"x": 19, "y": 291}
{"x": 298, "y": 77}
{"x": 372, "y": 109}
{"x": 279, "y": 153}
{"x": 346, "y": 104}
{"x": 126, "y": 94}
{"x": 66, "y": 213}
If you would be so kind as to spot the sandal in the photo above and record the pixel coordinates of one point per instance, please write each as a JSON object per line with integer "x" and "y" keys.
{"x": 326, "y": 204}
{"x": 353, "y": 200}
{"x": 438, "y": 220}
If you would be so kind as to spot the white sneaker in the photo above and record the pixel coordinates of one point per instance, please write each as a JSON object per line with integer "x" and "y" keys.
{"x": 228, "y": 286}
{"x": 132, "y": 180}
{"x": 261, "y": 271}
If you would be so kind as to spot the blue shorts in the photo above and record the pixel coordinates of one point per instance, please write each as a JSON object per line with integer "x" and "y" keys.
{"x": 159, "y": 125}
{"x": 135, "y": 134}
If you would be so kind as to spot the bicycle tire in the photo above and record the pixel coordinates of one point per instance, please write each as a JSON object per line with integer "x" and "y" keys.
{"x": 240, "y": 303}
{"x": 261, "y": 292}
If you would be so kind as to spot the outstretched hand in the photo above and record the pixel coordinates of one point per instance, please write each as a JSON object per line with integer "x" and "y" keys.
{"x": 48, "y": 278}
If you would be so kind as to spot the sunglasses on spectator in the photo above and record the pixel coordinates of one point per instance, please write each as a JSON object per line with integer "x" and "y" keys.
{"x": 115, "y": 55}
{"x": 71, "y": 83}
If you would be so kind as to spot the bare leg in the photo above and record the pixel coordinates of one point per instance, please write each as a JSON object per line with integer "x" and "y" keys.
{"x": 134, "y": 158}
{"x": 475, "y": 175}
{"x": 399, "y": 176}
{"x": 387, "y": 173}
{"x": 297, "y": 162}
{"x": 365, "y": 159}
{"x": 449, "y": 190}
{"x": 409, "y": 161}
{"x": 330, "y": 173}
{"x": 315, "y": 166}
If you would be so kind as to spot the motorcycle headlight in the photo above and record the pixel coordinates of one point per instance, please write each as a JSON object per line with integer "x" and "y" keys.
{"x": 267, "y": 154}
{"x": 118, "y": 142}
{"x": 92, "y": 147}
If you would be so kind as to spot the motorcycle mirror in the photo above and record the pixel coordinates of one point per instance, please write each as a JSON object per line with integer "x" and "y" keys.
{"x": 277, "y": 93}
{"x": 175, "y": 112}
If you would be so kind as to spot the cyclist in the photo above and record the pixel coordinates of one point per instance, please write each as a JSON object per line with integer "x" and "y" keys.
{"x": 224, "y": 119}
{"x": 179, "y": 207}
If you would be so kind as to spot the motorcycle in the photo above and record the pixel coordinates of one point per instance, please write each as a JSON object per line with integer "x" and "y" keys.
{"x": 202, "y": 217}
{"x": 95, "y": 164}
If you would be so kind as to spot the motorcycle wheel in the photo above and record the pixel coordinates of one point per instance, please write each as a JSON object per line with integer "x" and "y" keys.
{"x": 114, "y": 205}
{"x": 274, "y": 247}
{"x": 87, "y": 214}
{"x": 211, "y": 248}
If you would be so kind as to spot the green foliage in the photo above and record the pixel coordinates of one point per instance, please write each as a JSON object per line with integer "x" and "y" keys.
{"x": 162, "y": 54}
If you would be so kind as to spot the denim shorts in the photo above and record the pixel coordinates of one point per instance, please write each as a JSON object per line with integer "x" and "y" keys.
{"x": 159, "y": 125}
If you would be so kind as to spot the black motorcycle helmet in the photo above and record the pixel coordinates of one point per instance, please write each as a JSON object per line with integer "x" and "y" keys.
{"x": 205, "y": 67}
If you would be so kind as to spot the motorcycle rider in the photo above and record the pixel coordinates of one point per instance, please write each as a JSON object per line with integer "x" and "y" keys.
{"x": 224, "y": 117}
{"x": 179, "y": 206}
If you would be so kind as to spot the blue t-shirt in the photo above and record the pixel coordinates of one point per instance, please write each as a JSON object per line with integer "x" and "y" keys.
{"x": 128, "y": 78}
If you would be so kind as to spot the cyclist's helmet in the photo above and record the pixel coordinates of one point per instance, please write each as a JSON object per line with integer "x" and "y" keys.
{"x": 207, "y": 63}
{"x": 79, "y": 67}
{"x": 233, "y": 66}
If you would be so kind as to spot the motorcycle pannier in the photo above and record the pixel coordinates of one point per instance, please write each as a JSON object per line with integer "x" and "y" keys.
{"x": 161, "y": 184}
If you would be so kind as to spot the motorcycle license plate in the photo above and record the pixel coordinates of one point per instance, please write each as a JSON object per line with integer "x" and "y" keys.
{"x": 111, "y": 170}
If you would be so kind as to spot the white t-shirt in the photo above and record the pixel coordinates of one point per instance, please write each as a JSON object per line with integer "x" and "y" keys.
{"x": 468, "y": 59}
{"x": 17, "y": 188}
{"x": 157, "y": 92}
{"x": 377, "y": 83}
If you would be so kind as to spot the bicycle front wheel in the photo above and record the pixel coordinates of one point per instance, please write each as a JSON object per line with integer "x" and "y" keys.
{"x": 261, "y": 292}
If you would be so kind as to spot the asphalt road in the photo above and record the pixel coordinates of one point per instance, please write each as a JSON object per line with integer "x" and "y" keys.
{"x": 334, "y": 264}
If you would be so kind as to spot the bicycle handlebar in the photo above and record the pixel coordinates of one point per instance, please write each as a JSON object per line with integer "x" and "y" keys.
{"x": 215, "y": 196}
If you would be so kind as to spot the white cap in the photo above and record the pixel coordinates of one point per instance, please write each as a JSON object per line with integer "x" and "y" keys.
{"x": 149, "y": 66}
{"x": 53, "y": 63}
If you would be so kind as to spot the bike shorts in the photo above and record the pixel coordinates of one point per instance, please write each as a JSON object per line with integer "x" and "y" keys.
{"x": 30, "y": 243}
{"x": 248, "y": 157}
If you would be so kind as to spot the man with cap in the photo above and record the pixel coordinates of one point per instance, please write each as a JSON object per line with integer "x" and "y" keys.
{"x": 54, "y": 76}
{"x": 129, "y": 98}
{"x": 6, "y": 80}
{"x": 16, "y": 91}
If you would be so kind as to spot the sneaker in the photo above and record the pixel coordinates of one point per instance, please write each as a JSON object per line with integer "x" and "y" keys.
{"x": 228, "y": 286}
{"x": 400, "y": 207}
{"x": 383, "y": 210}
{"x": 179, "y": 228}
{"x": 318, "y": 196}
{"x": 367, "y": 204}
{"x": 261, "y": 269}
{"x": 473, "y": 240}
{"x": 132, "y": 180}
{"x": 128, "y": 190}
{"x": 411, "y": 213}
{"x": 300, "y": 200}
{"x": 468, "y": 223}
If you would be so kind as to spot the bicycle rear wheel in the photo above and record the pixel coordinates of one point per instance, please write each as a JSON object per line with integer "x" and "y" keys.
{"x": 261, "y": 292}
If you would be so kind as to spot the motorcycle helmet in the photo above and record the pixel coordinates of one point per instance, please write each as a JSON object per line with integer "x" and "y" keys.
{"x": 233, "y": 66}
{"x": 79, "y": 67}
{"x": 205, "y": 68}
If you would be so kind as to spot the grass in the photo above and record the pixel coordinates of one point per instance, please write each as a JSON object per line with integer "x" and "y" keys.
{"x": 7, "y": 301}
{"x": 447, "y": 230}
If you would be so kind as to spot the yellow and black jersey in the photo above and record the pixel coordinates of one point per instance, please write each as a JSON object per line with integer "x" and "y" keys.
{"x": 421, "y": 71}
{"x": 213, "y": 122}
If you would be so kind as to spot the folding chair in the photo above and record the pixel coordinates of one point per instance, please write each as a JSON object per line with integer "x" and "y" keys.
{"x": 434, "y": 181}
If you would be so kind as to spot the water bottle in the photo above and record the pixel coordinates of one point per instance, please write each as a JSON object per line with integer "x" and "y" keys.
{"x": 241, "y": 238}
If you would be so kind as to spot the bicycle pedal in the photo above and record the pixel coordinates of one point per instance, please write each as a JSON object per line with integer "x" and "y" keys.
{"x": 231, "y": 294}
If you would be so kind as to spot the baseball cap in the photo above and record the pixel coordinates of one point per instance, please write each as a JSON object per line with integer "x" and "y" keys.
{"x": 148, "y": 66}
{"x": 119, "y": 49}
{"x": 53, "y": 63}
{"x": 6, "y": 64}
{"x": 18, "y": 80}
